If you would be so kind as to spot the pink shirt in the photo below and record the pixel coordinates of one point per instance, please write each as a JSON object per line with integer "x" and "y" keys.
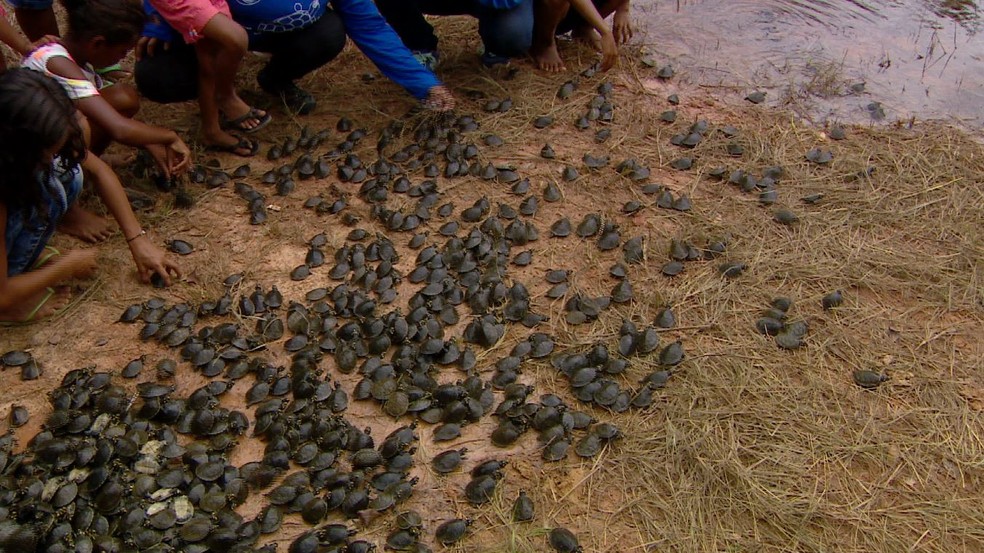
{"x": 189, "y": 17}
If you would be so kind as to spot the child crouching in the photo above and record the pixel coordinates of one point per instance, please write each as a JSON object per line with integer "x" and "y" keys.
{"x": 42, "y": 158}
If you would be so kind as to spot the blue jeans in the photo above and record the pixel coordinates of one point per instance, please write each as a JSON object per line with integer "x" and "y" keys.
{"x": 29, "y": 228}
{"x": 504, "y": 32}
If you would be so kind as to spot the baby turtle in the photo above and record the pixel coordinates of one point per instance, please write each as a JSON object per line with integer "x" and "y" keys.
{"x": 673, "y": 268}
{"x": 564, "y": 541}
{"x": 543, "y": 121}
{"x": 665, "y": 318}
{"x": 551, "y": 192}
{"x": 447, "y": 432}
{"x": 18, "y": 416}
{"x": 547, "y": 152}
{"x": 180, "y": 247}
{"x": 756, "y": 97}
{"x": 561, "y": 228}
{"x": 452, "y": 531}
{"x": 820, "y": 157}
{"x": 523, "y": 510}
{"x": 869, "y": 379}
{"x": 769, "y": 325}
{"x": 732, "y": 269}
{"x": 672, "y": 354}
{"x": 785, "y": 217}
{"x": 448, "y": 461}
{"x": 16, "y": 358}
{"x": 832, "y": 300}
{"x": 479, "y": 490}
{"x": 789, "y": 340}
{"x": 682, "y": 164}
{"x": 300, "y": 272}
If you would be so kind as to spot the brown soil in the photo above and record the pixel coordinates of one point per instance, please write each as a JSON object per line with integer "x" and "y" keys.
{"x": 749, "y": 447}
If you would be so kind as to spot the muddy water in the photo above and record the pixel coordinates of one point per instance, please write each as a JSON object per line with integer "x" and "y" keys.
{"x": 830, "y": 59}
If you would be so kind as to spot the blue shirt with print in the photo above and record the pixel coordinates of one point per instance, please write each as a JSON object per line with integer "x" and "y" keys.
{"x": 362, "y": 21}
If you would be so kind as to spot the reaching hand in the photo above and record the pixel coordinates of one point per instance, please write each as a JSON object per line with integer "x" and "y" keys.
{"x": 609, "y": 51}
{"x": 161, "y": 156}
{"x": 147, "y": 47}
{"x": 178, "y": 157}
{"x": 150, "y": 259}
{"x": 439, "y": 99}
{"x": 43, "y": 41}
{"x": 622, "y": 26}
{"x": 79, "y": 263}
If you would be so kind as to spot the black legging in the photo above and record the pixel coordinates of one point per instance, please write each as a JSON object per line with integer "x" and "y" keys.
{"x": 504, "y": 32}
{"x": 172, "y": 75}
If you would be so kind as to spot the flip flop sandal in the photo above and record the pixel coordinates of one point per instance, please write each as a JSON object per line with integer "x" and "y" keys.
{"x": 48, "y": 254}
{"x": 116, "y": 67}
{"x": 237, "y": 123}
{"x": 243, "y": 144}
{"x": 49, "y": 293}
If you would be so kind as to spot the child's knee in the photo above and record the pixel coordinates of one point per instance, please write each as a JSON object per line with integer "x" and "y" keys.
{"x": 226, "y": 36}
{"x": 83, "y": 123}
{"x": 239, "y": 42}
{"x": 123, "y": 98}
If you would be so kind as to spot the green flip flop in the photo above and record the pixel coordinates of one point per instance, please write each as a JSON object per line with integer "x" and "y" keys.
{"x": 49, "y": 293}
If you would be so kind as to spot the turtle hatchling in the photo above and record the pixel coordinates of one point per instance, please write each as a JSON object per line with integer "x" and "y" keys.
{"x": 564, "y": 541}
{"x": 452, "y": 530}
{"x": 448, "y": 461}
{"x": 523, "y": 510}
{"x": 869, "y": 379}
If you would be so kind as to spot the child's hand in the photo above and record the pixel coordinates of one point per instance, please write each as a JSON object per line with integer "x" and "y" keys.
{"x": 79, "y": 263}
{"x": 178, "y": 157}
{"x": 609, "y": 51}
{"x": 43, "y": 41}
{"x": 150, "y": 259}
{"x": 622, "y": 26}
{"x": 147, "y": 47}
{"x": 439, "y": 99}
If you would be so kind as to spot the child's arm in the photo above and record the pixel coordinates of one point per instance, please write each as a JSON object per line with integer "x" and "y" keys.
{"x": 122, "y": 129}
{"x": 75, "y": 263}
{"x": 14, "y": 39}
{"x": 149, "y": 258}
{"x": 609, "y": 48}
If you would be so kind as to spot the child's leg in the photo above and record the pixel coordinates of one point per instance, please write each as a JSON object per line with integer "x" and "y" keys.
{"x": 321, "y": 42}
{"x": 547, "y": 16}
{"x": 36, "y": 18}
{"x": 586, "y": 21}
{"x": 77, "y": 221}
{"x": 228, "y": 42}
{"x": 506, "y": 33}
{"x": 208, "y": 105}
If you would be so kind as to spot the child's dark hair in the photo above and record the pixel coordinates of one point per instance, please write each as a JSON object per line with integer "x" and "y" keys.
{"x": 35, "y": 114}
{"x": 118, "y": 21}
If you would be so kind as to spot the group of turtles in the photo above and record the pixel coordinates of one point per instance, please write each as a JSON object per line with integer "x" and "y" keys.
{"x": 401, "y": 323}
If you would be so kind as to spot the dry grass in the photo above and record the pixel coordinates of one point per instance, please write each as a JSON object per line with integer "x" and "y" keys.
{"x": 749, "y": 448}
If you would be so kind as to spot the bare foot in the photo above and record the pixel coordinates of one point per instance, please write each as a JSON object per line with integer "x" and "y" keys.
{"x": 85, "y": 225}
{"x": 547, "y": 58}
{"x": 39, "y": 306}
